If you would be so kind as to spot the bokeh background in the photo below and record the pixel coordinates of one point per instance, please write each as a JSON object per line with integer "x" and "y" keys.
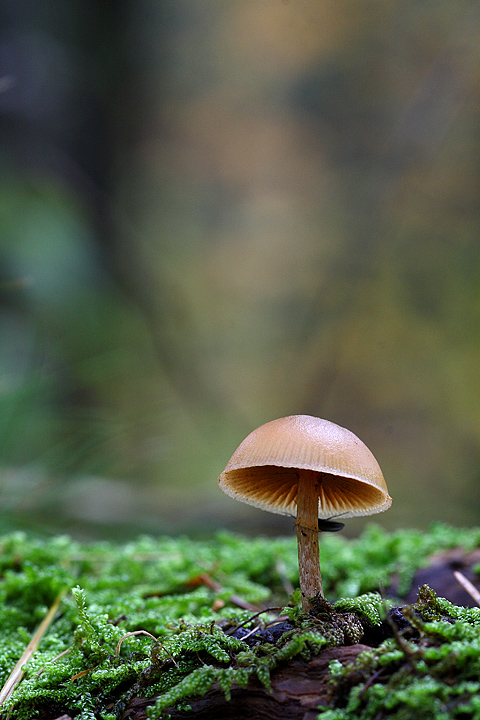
{"x": 215, "y": 213}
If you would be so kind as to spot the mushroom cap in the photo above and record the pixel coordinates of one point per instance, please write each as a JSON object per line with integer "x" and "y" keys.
{"x": 264, "y": 469}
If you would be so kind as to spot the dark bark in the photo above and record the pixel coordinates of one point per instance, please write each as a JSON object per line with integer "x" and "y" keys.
{"x": 438, "y": 574}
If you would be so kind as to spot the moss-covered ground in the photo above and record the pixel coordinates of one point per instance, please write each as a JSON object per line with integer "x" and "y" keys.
{"x": 161, "y": 618}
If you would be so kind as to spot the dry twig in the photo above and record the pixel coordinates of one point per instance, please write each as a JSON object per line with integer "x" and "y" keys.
{"x": 468, "y": 586}
{"x": 17, "y": 672}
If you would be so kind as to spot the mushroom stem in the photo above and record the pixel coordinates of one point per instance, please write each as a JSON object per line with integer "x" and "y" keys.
{"x": 307, "y": 536}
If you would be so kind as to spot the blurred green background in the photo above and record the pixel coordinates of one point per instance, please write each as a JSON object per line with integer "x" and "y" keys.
{"x": 218, "y": 213}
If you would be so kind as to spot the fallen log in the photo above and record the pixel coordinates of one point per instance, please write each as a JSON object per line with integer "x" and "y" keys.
{"x": 298, "y": 688}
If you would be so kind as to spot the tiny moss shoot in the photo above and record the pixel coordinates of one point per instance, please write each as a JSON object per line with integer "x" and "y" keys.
{"x": 142, "y": 619}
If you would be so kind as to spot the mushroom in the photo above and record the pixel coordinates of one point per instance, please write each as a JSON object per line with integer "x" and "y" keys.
{"x": 309, "y": 468}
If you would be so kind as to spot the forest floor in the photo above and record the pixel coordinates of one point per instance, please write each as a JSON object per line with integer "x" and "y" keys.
{"x": 179, "y": 628}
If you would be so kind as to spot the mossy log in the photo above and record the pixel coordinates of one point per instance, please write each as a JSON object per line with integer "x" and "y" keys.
{"x": 298, "y": 689}
{"x": 141, "y": 619}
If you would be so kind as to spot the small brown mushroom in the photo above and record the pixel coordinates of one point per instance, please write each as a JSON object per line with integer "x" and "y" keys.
{"x": 309, "y": 468}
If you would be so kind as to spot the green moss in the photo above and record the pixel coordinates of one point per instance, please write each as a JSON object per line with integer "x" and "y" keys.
{"x": 437, "y": 676}
{"x": 185, "y": 594}
{"x": 370, "y": 606}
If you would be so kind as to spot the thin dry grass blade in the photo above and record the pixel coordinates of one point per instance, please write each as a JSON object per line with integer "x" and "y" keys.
{"x": 467, "y": 585}
{"x": 17, "y": 672}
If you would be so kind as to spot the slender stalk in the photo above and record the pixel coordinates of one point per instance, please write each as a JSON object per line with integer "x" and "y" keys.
{"x": 307, "y": 537}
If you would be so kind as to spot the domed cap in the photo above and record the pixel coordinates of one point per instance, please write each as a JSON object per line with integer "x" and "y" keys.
{"x": 264, "y": 469}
